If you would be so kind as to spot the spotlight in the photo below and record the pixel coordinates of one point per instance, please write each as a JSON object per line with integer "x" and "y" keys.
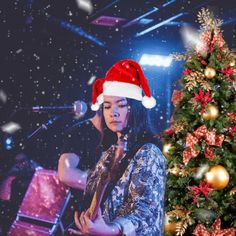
{"x": 9, "y": 143}
{"x": 141, "y": 18}
{"x": 75, "y": 29}
{"x": 155, "y": 60}
{"x": 158, "y": 25}
{"x": 168, "y": 3}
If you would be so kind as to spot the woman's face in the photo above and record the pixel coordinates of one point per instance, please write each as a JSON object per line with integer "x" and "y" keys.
{"x": 115, "y": 112}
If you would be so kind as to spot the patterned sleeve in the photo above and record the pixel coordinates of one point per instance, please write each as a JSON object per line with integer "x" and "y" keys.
{"x": 143, "y": 213}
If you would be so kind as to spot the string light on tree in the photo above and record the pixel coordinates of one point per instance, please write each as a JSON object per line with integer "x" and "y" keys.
{"x": 217, "y": 177}
{"x": 232, "y": 63}
{"x": 232, "y": 191}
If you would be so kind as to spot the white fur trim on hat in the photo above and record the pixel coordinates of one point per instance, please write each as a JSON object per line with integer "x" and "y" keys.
{"x": 95, "y": 107}
{"x": 122, "y": 89}
{"x": 149, "y": 102}
{"x": 100, "y": 99}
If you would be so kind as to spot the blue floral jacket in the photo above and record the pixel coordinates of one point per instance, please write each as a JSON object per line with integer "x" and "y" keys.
{"x": 137, "y": 200}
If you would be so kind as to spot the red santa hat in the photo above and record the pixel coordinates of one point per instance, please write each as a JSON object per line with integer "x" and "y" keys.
{"x": 126, "y": 79}
{"x": 97, "y": 96}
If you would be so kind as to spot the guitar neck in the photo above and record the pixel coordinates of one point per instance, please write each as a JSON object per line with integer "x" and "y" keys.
{"x": 108, "y": 175}
{"x": 97, "y": 199}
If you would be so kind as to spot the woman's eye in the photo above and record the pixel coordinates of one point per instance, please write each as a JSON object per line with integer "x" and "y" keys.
{"x": 123, "y": 105}
{"x": 106, "y": 107}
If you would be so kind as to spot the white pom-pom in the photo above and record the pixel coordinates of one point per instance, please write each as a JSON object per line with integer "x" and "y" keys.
{"x": 95, "y": 107}
{"x": 149, "y": 102}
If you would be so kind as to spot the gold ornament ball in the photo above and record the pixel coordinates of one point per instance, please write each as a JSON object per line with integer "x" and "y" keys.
{"x": 206, "y": 115}
{"x": 211, "y": 112}
{"x": 166, "y": 149}
{"x": 209, "y": 73}
{"x": 170, "y": 227}
{"x": 217, "y": 177}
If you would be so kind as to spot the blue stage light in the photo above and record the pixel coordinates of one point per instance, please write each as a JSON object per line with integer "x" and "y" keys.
{"x": 81, "y": 32}
{"x": 8, "y": 147}
{"x": 145, "y": 21}
{"x": 155, "y": 60}
{"x": 160, "y": 24}
{"x": 168, "y": 3}
{"x": 140, "y": 18}
{"x": 76, "y": 29}
{"x": 9, "y": 143}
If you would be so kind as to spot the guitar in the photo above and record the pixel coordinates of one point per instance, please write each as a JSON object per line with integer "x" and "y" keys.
{"x": 113, "y": 159}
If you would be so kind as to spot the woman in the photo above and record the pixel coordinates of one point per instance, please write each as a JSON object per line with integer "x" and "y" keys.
{"x": 135, "y": 205}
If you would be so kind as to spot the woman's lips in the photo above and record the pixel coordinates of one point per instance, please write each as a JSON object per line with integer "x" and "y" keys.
{"x": 115, "y": 122}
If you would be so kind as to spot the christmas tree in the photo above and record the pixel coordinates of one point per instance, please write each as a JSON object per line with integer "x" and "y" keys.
{"x": 200, "y": 143}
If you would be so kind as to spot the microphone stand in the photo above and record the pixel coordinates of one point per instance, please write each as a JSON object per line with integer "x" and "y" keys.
{"x": 44, "y": 126}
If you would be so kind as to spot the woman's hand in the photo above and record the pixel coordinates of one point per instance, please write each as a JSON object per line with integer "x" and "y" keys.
{"x": 97, "y": 227}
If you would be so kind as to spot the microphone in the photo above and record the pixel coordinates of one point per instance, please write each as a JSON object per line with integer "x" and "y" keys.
{"x": 78, "y": 107}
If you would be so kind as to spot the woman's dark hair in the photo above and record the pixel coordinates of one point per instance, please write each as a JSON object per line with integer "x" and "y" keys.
{"x": 139, "y": 127}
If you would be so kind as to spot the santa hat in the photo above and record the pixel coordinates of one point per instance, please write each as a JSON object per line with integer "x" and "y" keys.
{"x": 97, "y": 97}
{"x": 126, "y": 79}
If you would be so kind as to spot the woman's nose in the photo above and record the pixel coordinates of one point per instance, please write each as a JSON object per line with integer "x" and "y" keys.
{"x": 114, "y": 113}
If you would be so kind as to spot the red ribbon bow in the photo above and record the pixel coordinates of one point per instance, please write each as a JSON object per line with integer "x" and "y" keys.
{"x": 210, "y": 137}
{"x": 232, "y": 116}
{"x": 232, "y": 130}
{"x": 200, "y": 230}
